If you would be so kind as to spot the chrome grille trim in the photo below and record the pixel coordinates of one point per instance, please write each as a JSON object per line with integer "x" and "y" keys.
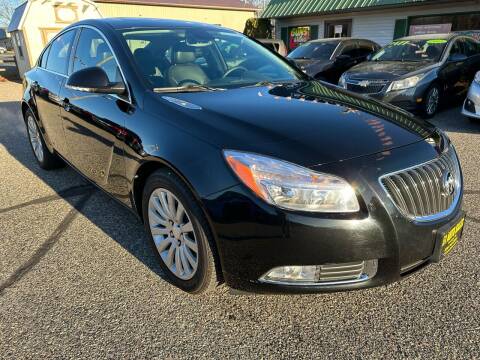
{"x": 418, "y": 192}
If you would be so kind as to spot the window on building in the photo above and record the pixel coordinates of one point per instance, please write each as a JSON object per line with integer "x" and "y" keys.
{"x": 93, "y": 51}
{"x": 337, "y": 29}
{"x": 59, "y": 52}
{"x": 458, "y": 22}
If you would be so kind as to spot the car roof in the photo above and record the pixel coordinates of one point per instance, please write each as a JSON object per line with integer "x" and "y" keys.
{"x": 430, "y": 36}
{"x": 343, "y": 39}
{"x": 129, "y": 23}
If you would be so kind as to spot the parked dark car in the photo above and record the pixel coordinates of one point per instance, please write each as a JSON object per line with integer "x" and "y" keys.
{"x": 328, "y": 59}
{"x": 243, "y": 170}
{"x": 416, "y": 73}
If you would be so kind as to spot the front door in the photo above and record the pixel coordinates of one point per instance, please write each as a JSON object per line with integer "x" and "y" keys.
{"x": 94, "y": 123}
{"x": 47, "y": 81}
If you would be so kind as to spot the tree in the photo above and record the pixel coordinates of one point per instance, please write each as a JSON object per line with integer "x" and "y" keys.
{"x": 261, "y": 4}
{"x": 258, "y": 28}
{"x": 7, "y": 7}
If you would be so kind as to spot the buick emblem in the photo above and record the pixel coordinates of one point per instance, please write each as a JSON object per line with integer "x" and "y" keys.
{"x": 364, "y": 83}
{"x": 448, "y": 184}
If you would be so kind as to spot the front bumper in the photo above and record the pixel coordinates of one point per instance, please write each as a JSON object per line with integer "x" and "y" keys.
{"x": 409, "y": 99}
{"x": 254, "y": 237}
{"x": 471, "y": 107}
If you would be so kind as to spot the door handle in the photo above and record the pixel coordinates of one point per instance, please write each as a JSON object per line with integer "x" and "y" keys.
{"x": 66, "y": 105}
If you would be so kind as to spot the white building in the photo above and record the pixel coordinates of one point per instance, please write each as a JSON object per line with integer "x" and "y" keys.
{"x": 35, "y": 22}
{"x": 297, "y": 21}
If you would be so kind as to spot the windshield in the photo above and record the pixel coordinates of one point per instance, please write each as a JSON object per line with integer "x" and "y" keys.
{"x": 314, "y": 50}
{"x": 412, "y": 50}
{"x": 203, "y": 59}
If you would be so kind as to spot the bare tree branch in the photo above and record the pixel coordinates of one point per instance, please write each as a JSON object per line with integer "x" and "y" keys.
{"x": 7, "y": 7}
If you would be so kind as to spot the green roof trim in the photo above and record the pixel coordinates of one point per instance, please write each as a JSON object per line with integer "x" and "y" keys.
{"x": 285, "y": 8}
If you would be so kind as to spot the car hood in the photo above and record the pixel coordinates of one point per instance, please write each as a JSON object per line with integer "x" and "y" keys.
{"x": 308, "y": 123}
{"x": 387, "y": 70}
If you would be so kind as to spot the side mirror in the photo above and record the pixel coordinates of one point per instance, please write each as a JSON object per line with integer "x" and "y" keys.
{"x": 369, "y": 57}
{"x": 457, "y": 57}
{"x": 94, "y": 80}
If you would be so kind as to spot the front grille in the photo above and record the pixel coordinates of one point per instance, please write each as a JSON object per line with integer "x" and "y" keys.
{"x": 366, "y": 86}
{"x": 424, "y": 192}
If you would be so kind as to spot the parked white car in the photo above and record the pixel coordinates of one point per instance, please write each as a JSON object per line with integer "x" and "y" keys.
{"x": 471, "y": 108}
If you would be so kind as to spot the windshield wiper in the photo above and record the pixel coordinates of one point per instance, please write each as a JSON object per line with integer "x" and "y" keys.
{"x": 188, "y": 88}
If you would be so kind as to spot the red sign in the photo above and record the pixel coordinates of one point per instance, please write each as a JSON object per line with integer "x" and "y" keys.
{"x": 430, "y": 29}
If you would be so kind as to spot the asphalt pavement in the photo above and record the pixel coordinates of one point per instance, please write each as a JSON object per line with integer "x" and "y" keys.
{"x": 78, "y": 280}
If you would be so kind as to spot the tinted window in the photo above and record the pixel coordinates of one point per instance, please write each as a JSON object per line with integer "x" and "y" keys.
{"x": 43, "y": 60}
{"x": 471, "y": 47}
{"x": 314, "y": 50}
{"x": 350, "y": 49}
{"x": 457, "y": 48}
{"x": 412, "y": 50}
{"x": 93, "y": 51}
{"x": 59, "y": 52}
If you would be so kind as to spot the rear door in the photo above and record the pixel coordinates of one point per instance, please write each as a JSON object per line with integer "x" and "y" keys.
{"x": 94, "y": 123}
{"x": 472, "y": 50}
{"x": 46, "y": 84}
{"x": 453, "y": 72}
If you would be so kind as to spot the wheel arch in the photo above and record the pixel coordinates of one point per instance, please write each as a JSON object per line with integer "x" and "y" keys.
{"x": 144, "y": 171}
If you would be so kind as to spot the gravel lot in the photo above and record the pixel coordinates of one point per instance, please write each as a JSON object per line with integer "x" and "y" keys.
{"x": 77, "y": 280}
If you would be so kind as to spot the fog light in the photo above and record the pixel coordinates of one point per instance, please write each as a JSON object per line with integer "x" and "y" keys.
{"x": 293, "y": 273}
{"x": 328, "y": 274}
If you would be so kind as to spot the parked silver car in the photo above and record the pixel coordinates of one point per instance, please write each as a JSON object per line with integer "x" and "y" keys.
{"x": 471, "y": 108}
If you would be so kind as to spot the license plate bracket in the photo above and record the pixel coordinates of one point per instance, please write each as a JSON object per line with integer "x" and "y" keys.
{"x": 447, "y": 237}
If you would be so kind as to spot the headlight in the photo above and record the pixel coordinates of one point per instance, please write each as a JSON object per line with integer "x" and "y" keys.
{"x": 342, "y": 81}
{"x": 405, "y": 83}
{"x": 477, "y": 78}
{"x": 292, "y": 187}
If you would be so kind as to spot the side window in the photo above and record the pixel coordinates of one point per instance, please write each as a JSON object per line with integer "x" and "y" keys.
{"x": 350, "y": 49}
{"x": 93, "y": 51}
{"x": 59, "y": 52}
{"x": 457, "y": 48}
{"x": 365, "y": 49}
{"x": 471, "y": 47}
{"x": 43, "y": 61}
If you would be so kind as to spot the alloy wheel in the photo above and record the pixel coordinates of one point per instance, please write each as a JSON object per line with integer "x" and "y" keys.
{"x": 35, "y": 140}
{"x": 432, "y": 101}
{"x": 173, "y": 233}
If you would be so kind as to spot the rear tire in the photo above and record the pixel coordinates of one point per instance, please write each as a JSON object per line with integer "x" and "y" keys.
{"x": 431, "y": 102}
{"x": 44, "y": 157}
{"x": 181, "y": 239}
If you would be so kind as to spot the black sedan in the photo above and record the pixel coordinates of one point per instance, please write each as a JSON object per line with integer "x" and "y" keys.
{"x": 242, "y": 169}
{"x": 417, "y": 73}
{"x": 328, "y": 59}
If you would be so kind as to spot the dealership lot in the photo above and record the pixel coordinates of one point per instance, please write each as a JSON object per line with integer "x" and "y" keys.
{"x": 78, "y": 280}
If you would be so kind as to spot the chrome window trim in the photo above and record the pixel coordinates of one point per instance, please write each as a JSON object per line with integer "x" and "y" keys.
{"x": 129, "y": 101}
{"x": 437, "y": 216}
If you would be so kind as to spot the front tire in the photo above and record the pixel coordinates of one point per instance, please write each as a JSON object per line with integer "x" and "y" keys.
{"x": 179, "y": 233}
{"x": 431, "y": 102}
{"x": 44, "y": 157}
